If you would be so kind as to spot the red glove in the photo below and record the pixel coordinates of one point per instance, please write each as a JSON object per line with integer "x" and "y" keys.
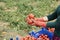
{"x": 36, "y": 23}
{"x": 39, "y": 23}
{"x": 31, "y": 20}
{"x": 42, "y": 19}
{"x": 39, "y": 19}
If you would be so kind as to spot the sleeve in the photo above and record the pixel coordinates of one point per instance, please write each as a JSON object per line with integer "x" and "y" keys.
{"x": 55, "y": 24}
{"x": 53, "y": 15}
{"x": 51, "y": 24}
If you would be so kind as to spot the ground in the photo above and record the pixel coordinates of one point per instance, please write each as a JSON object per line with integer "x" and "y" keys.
{"x": 14, "y": 12}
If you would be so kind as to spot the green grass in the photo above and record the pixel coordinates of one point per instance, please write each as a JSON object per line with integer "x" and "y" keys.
{"x": 15, "y": 11}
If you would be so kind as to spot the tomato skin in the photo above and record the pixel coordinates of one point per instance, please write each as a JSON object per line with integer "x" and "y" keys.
{"x": 28, "y": 36}
{"x": 41, "y": 37}
{"x": 52, "y": 29}
{"x": 34, "y": 38}
{"x": 22, "y": 38}
{"x": 46, "y": 36}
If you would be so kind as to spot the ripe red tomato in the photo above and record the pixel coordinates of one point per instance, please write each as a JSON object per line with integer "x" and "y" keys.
{"x": 46, "y": 36}
{"x": 34, "y": 38}
{"x": 52, "y": 29}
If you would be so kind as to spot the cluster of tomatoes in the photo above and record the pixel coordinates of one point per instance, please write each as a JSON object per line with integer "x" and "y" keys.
{"x": 28, "y": 38}
{"x": 41, "y": 37}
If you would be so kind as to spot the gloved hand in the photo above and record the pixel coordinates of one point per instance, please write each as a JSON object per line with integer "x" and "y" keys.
{"x": 39, "y": 23}
{"x": 42, "y": 19}
{"x": 39, "y": 19}
{"x": 31, "y": 20}
{"x": 36, "y": 23}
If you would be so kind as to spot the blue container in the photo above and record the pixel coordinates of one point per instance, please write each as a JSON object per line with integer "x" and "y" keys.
{"x": 36, "y": 35}
{"x": 50, "y": 35}
{"x": 42, "y": 31}
{"x": 32, "y": 33}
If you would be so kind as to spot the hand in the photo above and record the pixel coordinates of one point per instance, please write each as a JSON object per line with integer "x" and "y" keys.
{"x": 35, "y": 23}
{"x": 39, "y": 23}
{"x": 39, "y": 19}
{"x": 30, "y": 19}
{"x": 31, "y": 16}
{"x": 42, "y": 19}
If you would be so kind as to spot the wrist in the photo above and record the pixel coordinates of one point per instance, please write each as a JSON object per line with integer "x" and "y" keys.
{"x": 39, "y": 23}
{"x": 44, "y": 24}
{"x": 45, "y": 19}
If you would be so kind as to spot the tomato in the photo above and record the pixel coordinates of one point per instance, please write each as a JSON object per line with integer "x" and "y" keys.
{"x": 43, "y": 39}
{"x": 40, "y": 36}
{"x": 52, "y": 29}
{"x": 46, "y": 36}
{"x": 34, "y": 38}
{"x": 39, "y": 39}
{"x": 28, "y": 36}
{"x": 22, "y": 38}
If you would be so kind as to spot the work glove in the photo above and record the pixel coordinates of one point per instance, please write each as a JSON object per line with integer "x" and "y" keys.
{"x": 31, "y": 20}
{"x": 42, "y": 19}
{"x": 36, "y": 23}
{"x": 39, "y": 23}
